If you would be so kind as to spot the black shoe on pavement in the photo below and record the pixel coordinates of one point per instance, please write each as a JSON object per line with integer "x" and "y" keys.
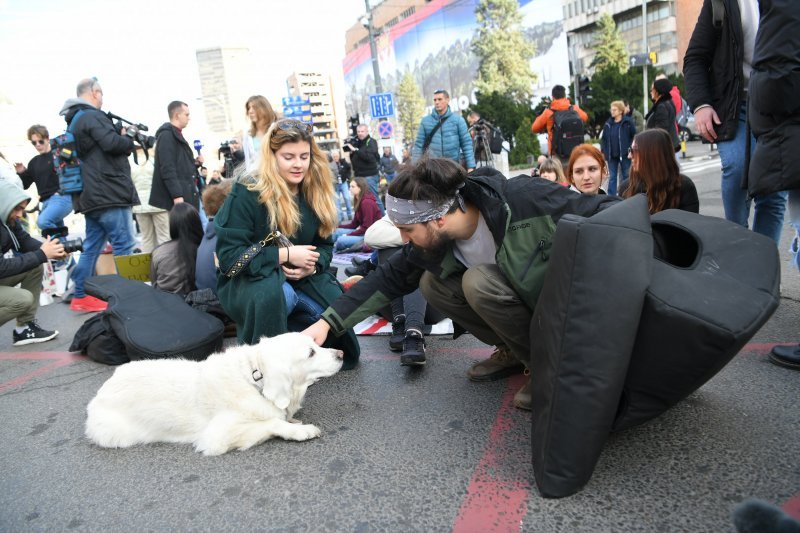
{"x": 788, "y": 356}
{"x": 413, "y": 349}
{"x": 362, "y": 269}
{"x": 398, "y": 333}
{"x": 356, "y": 261}
{"x": 33, "y": 333}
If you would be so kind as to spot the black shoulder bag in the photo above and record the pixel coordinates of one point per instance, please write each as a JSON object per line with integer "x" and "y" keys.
{"x": 429, "y": 138}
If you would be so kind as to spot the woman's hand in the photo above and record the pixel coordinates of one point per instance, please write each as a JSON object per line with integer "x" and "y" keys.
{"x": 302, "y": 256}
{"x": 294, "y": 273}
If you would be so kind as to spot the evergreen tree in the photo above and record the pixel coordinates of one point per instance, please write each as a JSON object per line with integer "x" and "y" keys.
{"x": 410, "y": 107}
{"x": 503, "y": 53}
{"x": 611, "y": 49}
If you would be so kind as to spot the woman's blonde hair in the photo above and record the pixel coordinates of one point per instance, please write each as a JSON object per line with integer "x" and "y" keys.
{"x": 316, "y": 187}
{"x": 620, "y": 105}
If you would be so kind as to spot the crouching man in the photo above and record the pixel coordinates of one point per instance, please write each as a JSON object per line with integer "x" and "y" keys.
{"x": 478, "y": 249}
{"x": 24, "y": 267}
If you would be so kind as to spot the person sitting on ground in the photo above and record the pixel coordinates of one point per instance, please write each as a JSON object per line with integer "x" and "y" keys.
{"x": 551, "y": 170}
{"x": 24, "y": 268}
{"x": 206, "y": 269}
{"x": 351, "y": 235}
{"x": 462, "y": 254}
{"x": 172, "y": 265}
{"x": 655, "y": 172}
{"x": 587, "y": 169}
{"x": 286, "y": 288}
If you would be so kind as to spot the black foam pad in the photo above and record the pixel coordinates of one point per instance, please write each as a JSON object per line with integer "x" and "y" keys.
{"x": 582, "y": 335}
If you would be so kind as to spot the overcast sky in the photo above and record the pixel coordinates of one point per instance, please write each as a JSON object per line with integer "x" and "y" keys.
{"x": 143, "y": 51}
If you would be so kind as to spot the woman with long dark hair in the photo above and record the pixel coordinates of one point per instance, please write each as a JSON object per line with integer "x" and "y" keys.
{"x": 367, "y": 213}
{"x": 655, "y": 173}
{"x": 286, "y": 288}
{"x": 662, "y": 114}
{"x": 172, "y": 266}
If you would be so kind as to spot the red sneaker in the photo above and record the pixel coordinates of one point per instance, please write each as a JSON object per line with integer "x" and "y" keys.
{"x": 88, "y": 303}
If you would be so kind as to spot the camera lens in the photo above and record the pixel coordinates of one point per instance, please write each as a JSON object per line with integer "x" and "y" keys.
{"x": 73, "y": 245}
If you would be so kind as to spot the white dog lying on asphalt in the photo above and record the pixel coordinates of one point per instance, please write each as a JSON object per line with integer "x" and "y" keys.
{"x": 232, "y": 400}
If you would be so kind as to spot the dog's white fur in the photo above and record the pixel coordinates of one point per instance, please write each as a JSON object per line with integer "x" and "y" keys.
{"x": 218, "y": 404}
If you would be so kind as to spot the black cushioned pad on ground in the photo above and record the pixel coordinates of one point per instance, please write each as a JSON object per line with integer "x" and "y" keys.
{"x": 582, "y": 335}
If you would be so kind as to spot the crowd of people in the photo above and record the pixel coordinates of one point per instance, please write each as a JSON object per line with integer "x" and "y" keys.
{"x": 263, "y": 237}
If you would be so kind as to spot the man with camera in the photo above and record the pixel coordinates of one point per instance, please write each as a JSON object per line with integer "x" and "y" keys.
{"x": 364, "y": 157}
{"x": 108, "y": 192}
{"x": 175, "y": 164}
{"x": 24, "y": 268}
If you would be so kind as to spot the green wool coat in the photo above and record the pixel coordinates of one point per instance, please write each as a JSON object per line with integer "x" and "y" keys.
{"x": 254, "y": 298}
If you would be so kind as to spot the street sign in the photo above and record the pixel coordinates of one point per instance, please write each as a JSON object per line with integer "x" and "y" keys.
{"x": 385, "y": 129}
{"x": 640, "y": 60}
{"x": 381, "y": 105}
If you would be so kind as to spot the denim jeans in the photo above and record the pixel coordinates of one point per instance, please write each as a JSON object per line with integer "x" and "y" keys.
{"x": 113, "y": 224}
{"x": 301, "y": 309}
{"x": 615, "y": 168}
{"x": 53, "y": 210}
{"x": 768, "y": 209}
{"x": 342, "y": 241}
{"x": 794, "y": 220}
{"x": 374, "y": 184}
{"x": 341, "y": 193}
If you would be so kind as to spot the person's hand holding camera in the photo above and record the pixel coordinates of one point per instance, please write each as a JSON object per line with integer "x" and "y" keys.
{"x": 53, "y": 249}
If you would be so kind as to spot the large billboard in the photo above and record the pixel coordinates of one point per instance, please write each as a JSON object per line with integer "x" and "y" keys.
{"x": 434, "y": 45}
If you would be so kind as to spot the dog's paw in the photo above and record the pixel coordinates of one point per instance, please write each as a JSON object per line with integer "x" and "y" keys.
{"x": 303, "y": 432}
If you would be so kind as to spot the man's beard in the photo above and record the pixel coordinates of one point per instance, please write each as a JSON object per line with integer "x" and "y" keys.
{"x": 437, "y": 243}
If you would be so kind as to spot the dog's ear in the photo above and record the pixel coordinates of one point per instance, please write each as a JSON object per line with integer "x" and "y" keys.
{"x": 278, "y": 389}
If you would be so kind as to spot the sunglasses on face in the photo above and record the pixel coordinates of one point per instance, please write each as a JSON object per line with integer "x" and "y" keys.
{"x": 39, "y": 142}
{"x": 289, "y": 125}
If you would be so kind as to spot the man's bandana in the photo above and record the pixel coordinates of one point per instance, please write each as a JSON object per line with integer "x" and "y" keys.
{"x": 402, "y": 211}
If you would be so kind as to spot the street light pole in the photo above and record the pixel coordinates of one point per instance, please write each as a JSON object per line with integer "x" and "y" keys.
{"x": 645, "y": 90}
{"x": 373, "y": 50}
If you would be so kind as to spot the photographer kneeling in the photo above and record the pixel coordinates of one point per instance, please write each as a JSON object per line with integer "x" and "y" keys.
{"x": 24, "y": 268}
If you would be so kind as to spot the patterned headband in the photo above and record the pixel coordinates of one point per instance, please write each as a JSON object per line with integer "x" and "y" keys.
{"x": 402, "y": 211}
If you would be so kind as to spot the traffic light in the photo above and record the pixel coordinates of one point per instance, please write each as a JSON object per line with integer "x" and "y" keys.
{"x": 584, "y": 90}
{"x": 653, "y": 58}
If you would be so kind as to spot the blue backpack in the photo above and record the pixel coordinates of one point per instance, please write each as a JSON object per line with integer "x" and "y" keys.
{"x": 66, "y": 163}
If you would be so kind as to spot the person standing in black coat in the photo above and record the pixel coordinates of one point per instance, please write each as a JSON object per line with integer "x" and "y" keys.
{"x": 365, "y": 158}
{"x": 108, "y": 191}
{"x": 662, "y": 115}
{"x": 175, "y": 165}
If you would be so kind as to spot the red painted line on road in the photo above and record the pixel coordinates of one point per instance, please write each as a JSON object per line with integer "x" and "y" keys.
{"x": 495, "y": 502}
{"x": 792, "y": 506}
{"x": 375, "y": 327}
{"x": 59, "y": 359}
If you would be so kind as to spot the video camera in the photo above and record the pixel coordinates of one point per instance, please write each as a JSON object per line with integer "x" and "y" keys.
{"x": 353, "y": 121}
{"x": 134, "y": 131}
{"x": 61, "y": 233}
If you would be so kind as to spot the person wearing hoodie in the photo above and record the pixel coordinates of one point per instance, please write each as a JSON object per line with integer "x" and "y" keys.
{"x": 175, "y": 166}
{"x": 108, "y": 191}
{"x": 444, "y": 134}
{"x": 24, "y": 268}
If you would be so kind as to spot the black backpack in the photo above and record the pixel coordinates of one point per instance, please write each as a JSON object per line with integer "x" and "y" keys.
{"x": 567, "y": 131}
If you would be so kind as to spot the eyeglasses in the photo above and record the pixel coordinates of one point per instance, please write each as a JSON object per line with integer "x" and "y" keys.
{"x": 289, "y": 125}
{"x": 632, "y": 150}
{"x": 39, "y": 142}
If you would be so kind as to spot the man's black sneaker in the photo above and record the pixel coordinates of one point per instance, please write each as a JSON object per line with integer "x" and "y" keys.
{"x": 413, "y": 349}
{"x": 33, "y": 333}
{"x": 398, "y": 333}
{"x": 363, "y": 268}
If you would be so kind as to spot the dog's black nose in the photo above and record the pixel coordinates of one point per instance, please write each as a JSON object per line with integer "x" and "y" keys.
{"x": 339, "y": 354}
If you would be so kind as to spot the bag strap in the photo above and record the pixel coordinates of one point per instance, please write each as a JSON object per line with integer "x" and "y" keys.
{"x": 253, "y": 250}
{"x": 429, "y": 138}
{"x": 78, "y": 114}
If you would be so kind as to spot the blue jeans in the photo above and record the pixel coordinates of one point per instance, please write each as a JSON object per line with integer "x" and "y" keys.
{"x": 341, "y": 193}
{"x": 374, "y": 183}
{"x": 794, "y": 220}
{"x": 113, "y": 224}
{"x": 342, "y": 241}
{"x": 53, "y": 210}
{"x": 616, "y": 167}
{"x": 301, "y": 309}
{"x": 768, "y": 209}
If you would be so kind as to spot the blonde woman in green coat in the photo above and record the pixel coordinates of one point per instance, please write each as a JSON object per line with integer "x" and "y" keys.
{"x": 281, "y": 289}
